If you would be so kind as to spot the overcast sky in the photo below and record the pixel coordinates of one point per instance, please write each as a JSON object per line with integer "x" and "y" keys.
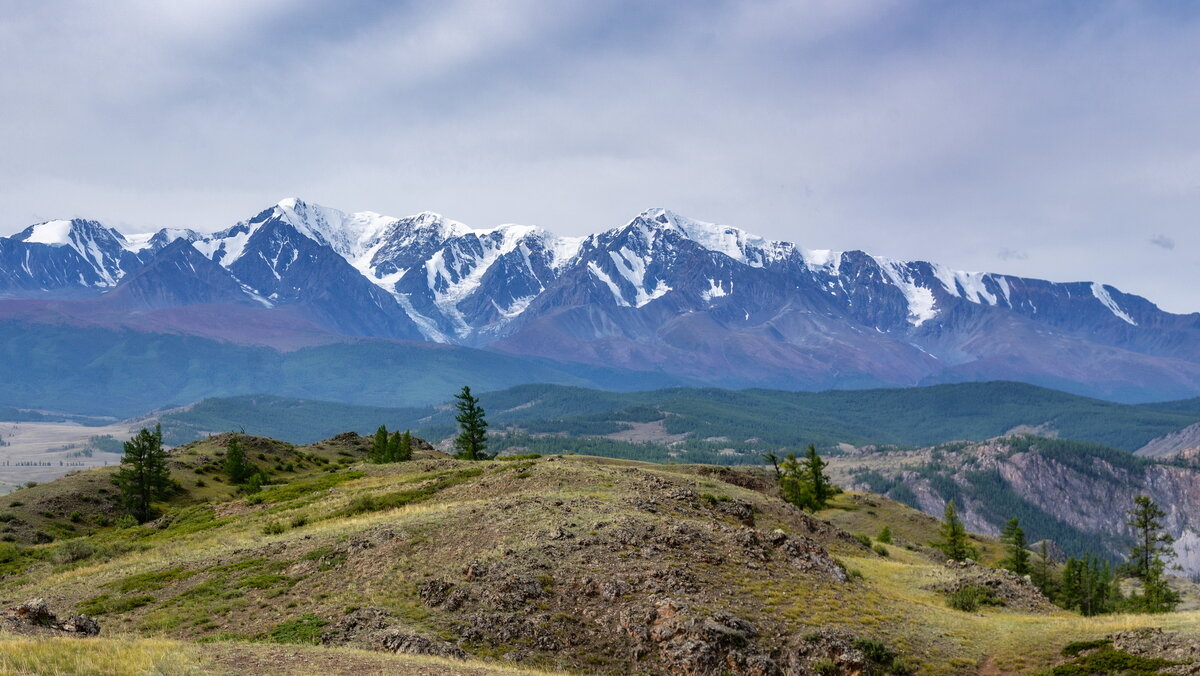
{"x": 1052, "y": 139}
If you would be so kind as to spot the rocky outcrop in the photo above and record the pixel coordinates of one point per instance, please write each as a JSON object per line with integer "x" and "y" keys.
{"x": 1184, "y": 442}
{"x": 376, "y": 629}
{"x": 1156, "y": 643}
{"x": 1081, "y": 487}
{"x": 33, "y": 617}
{"x": 1014, "y": 591}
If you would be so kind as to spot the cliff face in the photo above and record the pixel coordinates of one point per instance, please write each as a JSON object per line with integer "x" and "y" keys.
{"x": 1075, "y": 494}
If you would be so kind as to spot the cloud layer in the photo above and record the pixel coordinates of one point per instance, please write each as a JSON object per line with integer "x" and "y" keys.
{"x": 1055, "y": 140}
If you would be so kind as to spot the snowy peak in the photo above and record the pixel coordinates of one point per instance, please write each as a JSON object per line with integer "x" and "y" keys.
{"x": 101, "y": 247}
{"x": 741, "y": 246}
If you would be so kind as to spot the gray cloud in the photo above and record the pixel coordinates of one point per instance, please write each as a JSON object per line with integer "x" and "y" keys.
{"x": 899, "y": 128}
{"x": 1163, "y": 241}
{"x": 1007, "y": 254}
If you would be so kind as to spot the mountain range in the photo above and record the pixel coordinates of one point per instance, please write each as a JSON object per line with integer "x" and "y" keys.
{"x": 688, "y": 301}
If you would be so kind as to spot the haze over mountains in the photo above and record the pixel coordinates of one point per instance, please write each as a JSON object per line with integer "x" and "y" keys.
{"x": 663, "y": 295}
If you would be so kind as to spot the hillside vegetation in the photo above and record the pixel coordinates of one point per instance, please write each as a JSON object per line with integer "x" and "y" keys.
{"x": 571, "y": 563}
{"x": 1062, "y": 490}
{"x": 712, "y": 425}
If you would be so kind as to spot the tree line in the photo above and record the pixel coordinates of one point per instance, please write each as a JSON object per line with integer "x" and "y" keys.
{"x": 1091, "y": 585}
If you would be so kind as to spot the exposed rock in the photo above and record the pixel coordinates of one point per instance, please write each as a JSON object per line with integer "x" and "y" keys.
{"x": 34, "y": 617}
{"x": 1171, "y": 646}
{"x": 1013, "y": 590}
{"x": 416, "y": 644}
{"x": 375, "y": 629}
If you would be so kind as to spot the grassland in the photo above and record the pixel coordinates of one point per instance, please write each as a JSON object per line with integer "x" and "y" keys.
{"x": 544, "y": 562}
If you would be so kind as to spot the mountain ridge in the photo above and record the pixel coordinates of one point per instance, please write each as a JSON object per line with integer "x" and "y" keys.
{"x": 661, "y": 293}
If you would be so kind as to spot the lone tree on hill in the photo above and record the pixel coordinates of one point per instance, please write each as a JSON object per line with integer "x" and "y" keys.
{"x": 1147, "y": 557}
{"x": 954, "y": 544}
{"x": 1013, "y": 538}
{"x": 804, "y": 482}
{"x": 237, "y": 467}
{"x": 471, "y": 441}
{"x": 143, "y": 476}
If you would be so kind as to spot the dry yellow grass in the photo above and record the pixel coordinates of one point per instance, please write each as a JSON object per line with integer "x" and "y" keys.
{"x": 98, "y": 657}
{"x": 131, "y": 656}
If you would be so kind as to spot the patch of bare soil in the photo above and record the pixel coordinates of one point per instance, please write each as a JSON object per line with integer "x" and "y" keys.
{"x": 638, "y": 432}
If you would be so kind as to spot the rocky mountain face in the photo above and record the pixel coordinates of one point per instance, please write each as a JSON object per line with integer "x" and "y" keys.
{"x": 1075, "y": 494}
{"x": 1184, "y": 443}
{"x": 661, "y": 293}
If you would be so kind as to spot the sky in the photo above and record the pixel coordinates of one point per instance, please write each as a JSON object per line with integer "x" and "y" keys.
{"x": 1052, "y": 139}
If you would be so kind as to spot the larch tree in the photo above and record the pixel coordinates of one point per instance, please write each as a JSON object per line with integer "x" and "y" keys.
{"x": 1016, "y": 555}
{"x": 471, "y": 442}
{"x": 143, "y": 477}
{"x": 954, "y": 543}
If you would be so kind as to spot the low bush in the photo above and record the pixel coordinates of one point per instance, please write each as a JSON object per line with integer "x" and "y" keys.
{"x": 970, "y": 598}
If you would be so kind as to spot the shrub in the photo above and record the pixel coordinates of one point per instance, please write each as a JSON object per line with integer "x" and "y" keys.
{"x": 15, "y": 503}
{"x": 863, "y": 539}
{"x": 105, "y": 604}
{"x": 885, "y": 535}
{"x": 201, "y": 483}
{"x": 881, "y": 550}
{"x": 299, "y": 521}
{"x": 76, "y": 517}
{"x": 274, "y": 528}
{"x": 970, "y": 598}
{"x": 825, "y": 667}
{"x": 72, "y": 551}
{"x": 305, "y": 629}
{"x": 9, "y": 553}
{"x": 876, "y": 651}
{"x": 126, "y": 521}
{"x": 1074, "y": 648}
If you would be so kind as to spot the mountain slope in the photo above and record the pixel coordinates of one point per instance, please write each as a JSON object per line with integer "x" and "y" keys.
{"x": 1071, "y": 492}
{"x": 575, "y": 563}
{"x": 660, "y": 294}
{"x": 89, "y": 369}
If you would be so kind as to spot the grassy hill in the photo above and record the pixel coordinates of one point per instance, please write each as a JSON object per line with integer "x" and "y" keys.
{"x": 711, "y": 425}
{"x": 575, "y": 563}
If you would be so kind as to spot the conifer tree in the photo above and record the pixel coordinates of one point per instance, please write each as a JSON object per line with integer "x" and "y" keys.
{"x": 792, "y": 483}
{"x": 818, "y": 482}
{"x": 1013, "y": 538}
{"x": 471, "y": 441}
{"x": 143, "y": 476}
{"x": 1147, "y": 557}
{"x": 404, "y": 448}
{"x": 885, "y": 535}
{"x": 774, "y": 460}
{"x": 379, "y": 445}
{"x": 1151, "y": 542}
{"x": 1043, "y": 574}
{"x": 237, "y": 468}
{"x": 954, "y": 544}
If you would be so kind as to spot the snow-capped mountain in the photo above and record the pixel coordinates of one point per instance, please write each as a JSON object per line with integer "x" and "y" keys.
{"x": 660, "y": 293}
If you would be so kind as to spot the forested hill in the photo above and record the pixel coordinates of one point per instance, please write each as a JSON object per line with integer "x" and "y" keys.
{"x": 743, "y": 420}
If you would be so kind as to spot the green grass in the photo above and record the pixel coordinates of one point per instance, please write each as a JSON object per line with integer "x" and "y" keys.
{"x": 305, "y": 629}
